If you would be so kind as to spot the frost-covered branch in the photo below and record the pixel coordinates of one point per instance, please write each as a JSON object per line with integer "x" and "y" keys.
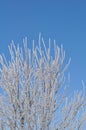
{"x": 33, "y": 94}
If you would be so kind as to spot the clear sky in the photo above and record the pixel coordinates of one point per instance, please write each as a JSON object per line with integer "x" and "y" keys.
{"x": 63, "y": 20}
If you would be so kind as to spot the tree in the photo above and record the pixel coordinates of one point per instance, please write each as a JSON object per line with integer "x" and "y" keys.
{"x": 33, "y": 93}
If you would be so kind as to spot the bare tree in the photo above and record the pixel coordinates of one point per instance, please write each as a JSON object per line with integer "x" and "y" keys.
{"x": 33, "y": 92}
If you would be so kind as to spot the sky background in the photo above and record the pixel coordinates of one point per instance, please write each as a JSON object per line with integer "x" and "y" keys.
{"x": 63, "y": 20}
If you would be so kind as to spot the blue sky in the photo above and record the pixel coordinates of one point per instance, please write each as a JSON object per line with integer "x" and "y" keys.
{"x": 63, "y": 20}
